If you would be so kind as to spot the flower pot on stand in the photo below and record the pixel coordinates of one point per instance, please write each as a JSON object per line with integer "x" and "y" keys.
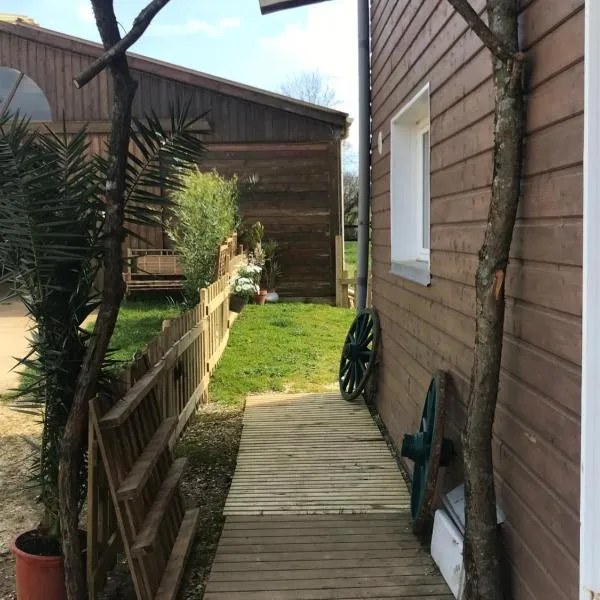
{"x": 261, "y": 297}
{"x": 272, "y": 296}
{"x": 237, "y": 303}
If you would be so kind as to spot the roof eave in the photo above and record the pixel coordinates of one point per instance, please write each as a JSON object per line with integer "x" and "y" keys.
{"x": 181, "y": 74}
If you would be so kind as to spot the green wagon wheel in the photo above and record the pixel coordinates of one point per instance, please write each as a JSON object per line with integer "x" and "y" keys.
{"x": 359, "y": 354}
{"x": 429, "y": 450}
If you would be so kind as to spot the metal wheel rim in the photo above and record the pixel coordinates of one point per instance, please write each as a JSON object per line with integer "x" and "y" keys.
{"x": 425, "y": 476}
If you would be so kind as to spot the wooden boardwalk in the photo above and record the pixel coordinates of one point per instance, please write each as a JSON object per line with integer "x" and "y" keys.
{"x": 318, "y": 510}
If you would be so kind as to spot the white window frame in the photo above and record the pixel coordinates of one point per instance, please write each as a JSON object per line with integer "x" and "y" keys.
{"x": 422, "y": 250}
{"x": 409, "y": 257}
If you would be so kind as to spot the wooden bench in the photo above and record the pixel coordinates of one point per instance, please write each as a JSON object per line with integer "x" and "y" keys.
{"x": 153, "y": 269}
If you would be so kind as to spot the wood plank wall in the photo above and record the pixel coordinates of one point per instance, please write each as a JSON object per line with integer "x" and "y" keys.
{"x": 293, "y": 198}
{"x": 297, "y": 157}
{"x": 234, "y": 118}
{"x": 537, "y": 432}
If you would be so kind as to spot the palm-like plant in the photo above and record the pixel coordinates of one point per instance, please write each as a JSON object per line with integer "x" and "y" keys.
{"x": 51, "y": 249}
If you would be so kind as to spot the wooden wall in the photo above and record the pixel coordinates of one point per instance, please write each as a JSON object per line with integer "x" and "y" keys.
{"x": 294, "y": 148}
{"x": 537, "y": 433}
{"x": 293, "y": 200}
{"x": 238, "y": 113}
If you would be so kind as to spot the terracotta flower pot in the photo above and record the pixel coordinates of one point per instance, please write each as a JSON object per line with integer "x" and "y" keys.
{"x": 38, "y": 577}
{"x": 261, "y": 297}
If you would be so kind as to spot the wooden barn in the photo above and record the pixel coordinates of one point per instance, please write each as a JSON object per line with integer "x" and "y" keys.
{"x": 291, "y": 147}
{"x": 432, "y": 143}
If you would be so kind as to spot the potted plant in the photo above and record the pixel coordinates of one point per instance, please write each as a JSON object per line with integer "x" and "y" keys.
{"x": 257, "y": 257}
{"x": 52, "y": 229}
{"x": 244, "y": 286}
{"x": 271, "y": 270}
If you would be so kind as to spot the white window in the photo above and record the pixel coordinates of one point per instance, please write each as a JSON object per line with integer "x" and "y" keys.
{"x": 20, "y": 94}
{"x": 410, "y": 199}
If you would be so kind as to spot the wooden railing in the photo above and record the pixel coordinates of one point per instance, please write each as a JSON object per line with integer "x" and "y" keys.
{"x": 161, "y": 269}
{"x": 171, "y": 376}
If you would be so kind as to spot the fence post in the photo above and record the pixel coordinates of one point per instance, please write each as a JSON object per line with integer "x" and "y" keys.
{"x": 205, "y": 332}
{"x": 339, "y": 268}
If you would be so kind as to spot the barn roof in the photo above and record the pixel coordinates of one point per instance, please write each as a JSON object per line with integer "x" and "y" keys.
{"x": 177, "y": 73}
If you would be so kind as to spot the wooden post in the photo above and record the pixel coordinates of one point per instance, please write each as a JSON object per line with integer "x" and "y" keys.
{"x": 205, "y": 332}
{"x": 339, "y": 269}
{"x": 345, "y": 299}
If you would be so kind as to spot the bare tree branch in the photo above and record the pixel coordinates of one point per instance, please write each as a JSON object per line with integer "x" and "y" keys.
{"x": 490, "y": 40}
{"x": 310, "y": 86}
{"x": 141, "y": 23}
{"x": 112, "y": 294}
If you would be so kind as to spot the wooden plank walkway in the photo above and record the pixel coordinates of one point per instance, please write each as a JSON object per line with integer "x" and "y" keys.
{"x": 318, "y": 510}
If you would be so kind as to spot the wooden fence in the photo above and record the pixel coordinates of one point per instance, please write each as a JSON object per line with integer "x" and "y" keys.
{"x": 345, "y": 281}
{"x": 166, "y": 382}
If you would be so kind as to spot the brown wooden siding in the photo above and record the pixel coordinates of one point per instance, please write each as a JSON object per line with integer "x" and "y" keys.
{"x": 52, "y": 62}
{"x": 294, "y": 148}
{"x": 536, "y": 445}
{"x": 293, "y": 199}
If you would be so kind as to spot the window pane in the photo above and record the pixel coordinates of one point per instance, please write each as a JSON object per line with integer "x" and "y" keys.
{"x": 7, "y": 80}
{"x": 426, "y": 199}
{"x": 29, "y": 100}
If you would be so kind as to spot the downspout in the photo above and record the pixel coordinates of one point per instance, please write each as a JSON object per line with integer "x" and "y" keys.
{"x": 589, "y": 562}
{"x": 364, "y": 153}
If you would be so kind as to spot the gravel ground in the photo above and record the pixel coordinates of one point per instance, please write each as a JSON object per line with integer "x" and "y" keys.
{"x": 210, "y": 442}
{"x": 19, "y": 510}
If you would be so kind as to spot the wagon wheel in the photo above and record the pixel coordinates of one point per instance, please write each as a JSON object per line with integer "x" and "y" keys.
{"x": 359, "y": 354}
{"x": 429, "y": 450}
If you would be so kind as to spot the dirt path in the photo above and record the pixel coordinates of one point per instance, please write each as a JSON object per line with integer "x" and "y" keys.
{"x": 14, "y": 325}
{"x": 19, "y": 509}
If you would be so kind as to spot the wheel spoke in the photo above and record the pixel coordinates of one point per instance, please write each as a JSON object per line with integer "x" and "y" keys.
{"x": 366, "y": 355}
{"x": 361, "y": 369}
{"x": 356, "y": 376}
{"x": 351, "y": 378}
{"x": 359, "y": 325}
{"x": 346, "y": 379}
{"x": 345, "y": 367}
{"x": 366, "y": 330}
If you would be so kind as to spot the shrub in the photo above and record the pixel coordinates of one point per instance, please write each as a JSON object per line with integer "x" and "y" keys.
{"x": 203, "y": 215}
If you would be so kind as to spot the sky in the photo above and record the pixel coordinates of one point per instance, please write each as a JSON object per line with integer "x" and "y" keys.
{"x": 230, "y": 39}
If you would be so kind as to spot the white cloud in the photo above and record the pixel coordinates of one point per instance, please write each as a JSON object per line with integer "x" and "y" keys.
{"x": 327, "y": 42}
{"x": 85, "y": 12}
{"x": 193, "y": 27}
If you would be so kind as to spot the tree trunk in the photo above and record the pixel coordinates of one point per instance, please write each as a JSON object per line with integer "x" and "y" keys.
{"x": 481, "y": 556}
{"x": 76, "y": 428}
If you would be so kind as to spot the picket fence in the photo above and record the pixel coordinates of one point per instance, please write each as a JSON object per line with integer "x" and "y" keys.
{"x": 158, "y": 393}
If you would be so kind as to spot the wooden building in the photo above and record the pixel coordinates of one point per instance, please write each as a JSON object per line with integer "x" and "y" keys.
{"x": 432, "y": 139}
{"x": 293, "y": 148}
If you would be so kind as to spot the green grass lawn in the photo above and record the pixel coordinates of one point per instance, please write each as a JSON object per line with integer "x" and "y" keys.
{"x": 139, "y": 321}
{"x": 350, "y": 250}
{"x": 281, "y": 347}
{"x": 350, "y": 256}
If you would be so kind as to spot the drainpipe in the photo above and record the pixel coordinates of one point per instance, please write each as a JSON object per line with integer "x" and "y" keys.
{"x": 364, "y": 153}
{"x": 589, "y": 562}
